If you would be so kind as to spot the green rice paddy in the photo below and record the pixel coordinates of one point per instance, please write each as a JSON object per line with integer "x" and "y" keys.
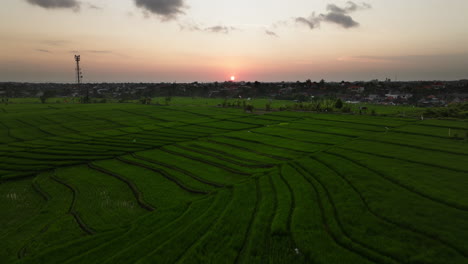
{"x": 194, "y": 183}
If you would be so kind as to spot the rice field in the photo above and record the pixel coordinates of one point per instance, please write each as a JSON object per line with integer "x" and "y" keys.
{"x": 130, "y": 183}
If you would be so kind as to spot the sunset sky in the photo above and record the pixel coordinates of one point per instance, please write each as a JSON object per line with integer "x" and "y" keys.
{"x": 211, "y": 40}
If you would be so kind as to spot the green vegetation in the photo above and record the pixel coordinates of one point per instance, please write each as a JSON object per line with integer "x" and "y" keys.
{"x": 259, "y": 105}
{"x": 454, "y": 110}
{"x": 180, "y": 180}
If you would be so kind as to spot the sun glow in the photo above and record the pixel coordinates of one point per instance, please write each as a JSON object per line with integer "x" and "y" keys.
{"x": 233, "y": 78}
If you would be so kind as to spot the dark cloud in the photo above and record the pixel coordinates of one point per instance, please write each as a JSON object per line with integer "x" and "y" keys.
{"x": 271, "y": 33}
{"x": 336, "y": 14}
{"x": 50, "y": 4}
{"x": 335, "y": 9}
{"x": 341, "y": 19}
{"x": 349, "y": 8}
{"x": 166, "y": 9}
{"x": 339, "y": 15}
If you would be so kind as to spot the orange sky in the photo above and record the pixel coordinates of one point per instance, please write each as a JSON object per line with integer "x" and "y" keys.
{"x": 212, "y": 40}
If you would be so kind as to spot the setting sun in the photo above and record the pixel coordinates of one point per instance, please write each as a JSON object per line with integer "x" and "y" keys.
{"x": 233, "y": 78}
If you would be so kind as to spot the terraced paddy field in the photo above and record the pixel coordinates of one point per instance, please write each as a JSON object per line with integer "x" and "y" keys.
{"x": 128, "y": 183}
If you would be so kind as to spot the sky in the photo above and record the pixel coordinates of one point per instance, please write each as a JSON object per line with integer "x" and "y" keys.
{"x": 212, "y": 40}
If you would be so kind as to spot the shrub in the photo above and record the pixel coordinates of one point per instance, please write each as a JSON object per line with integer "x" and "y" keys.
{"x": 454, "y": 110}
{"x": 142, "y": 100}
{"x": 249, "y": 108}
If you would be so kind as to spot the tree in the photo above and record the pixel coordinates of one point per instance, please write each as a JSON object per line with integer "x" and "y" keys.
{"x": 339, "y": 104}
{"x": 46, "y": 95}
{"x": 322, "y": 83}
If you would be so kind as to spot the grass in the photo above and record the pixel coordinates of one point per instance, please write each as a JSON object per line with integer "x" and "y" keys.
{"x": 195, "y": 183}
{"x": 104, "y": 203}
{"x": 155, "y": 189}
{"x": 309, "y": 224}
{"x": 351, "y": 210}
{"x": 382, "y": 198}
{"x": 225, "y": 239}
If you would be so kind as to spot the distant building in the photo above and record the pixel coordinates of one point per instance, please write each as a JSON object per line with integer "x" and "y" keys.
{"x": 373, "y": 97}
{"x": 438, "y": 85}
{"x": 356, "y": 89}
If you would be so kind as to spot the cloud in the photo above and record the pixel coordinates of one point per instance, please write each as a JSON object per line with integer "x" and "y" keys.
{"x": 335, "y": 9}
{"x": 92, "y": 51}
{"x": 271, "y": 33}
{"x": 53, "y": 4}
{"x": 43, "y": 50}
{"x": 99, "y": 51}
{"x": 192, "y": 26}
{"x": 336, "y": 15}
{"x": 312, "y": 21}
{"x": 412, "y": 66}
{"x": 220, "y": 29}
{"x": 282, "y": 23}
{"x": 91, "y": 6}
{"x": 96, "y": 53}
{"x": 341, "y": 19}
{"x": 349, "y": 8}
{"x": 166, "y": 9}
{"x": 339, "y": 15}
{"x": 379, "y": 58}
{"x": 411, "y": 59}
{"x": 55, "y": 42}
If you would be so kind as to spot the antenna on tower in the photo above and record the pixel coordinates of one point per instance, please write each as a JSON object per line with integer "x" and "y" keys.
{"x": 79, "y": 77}
{"x": 79, "y": 74}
